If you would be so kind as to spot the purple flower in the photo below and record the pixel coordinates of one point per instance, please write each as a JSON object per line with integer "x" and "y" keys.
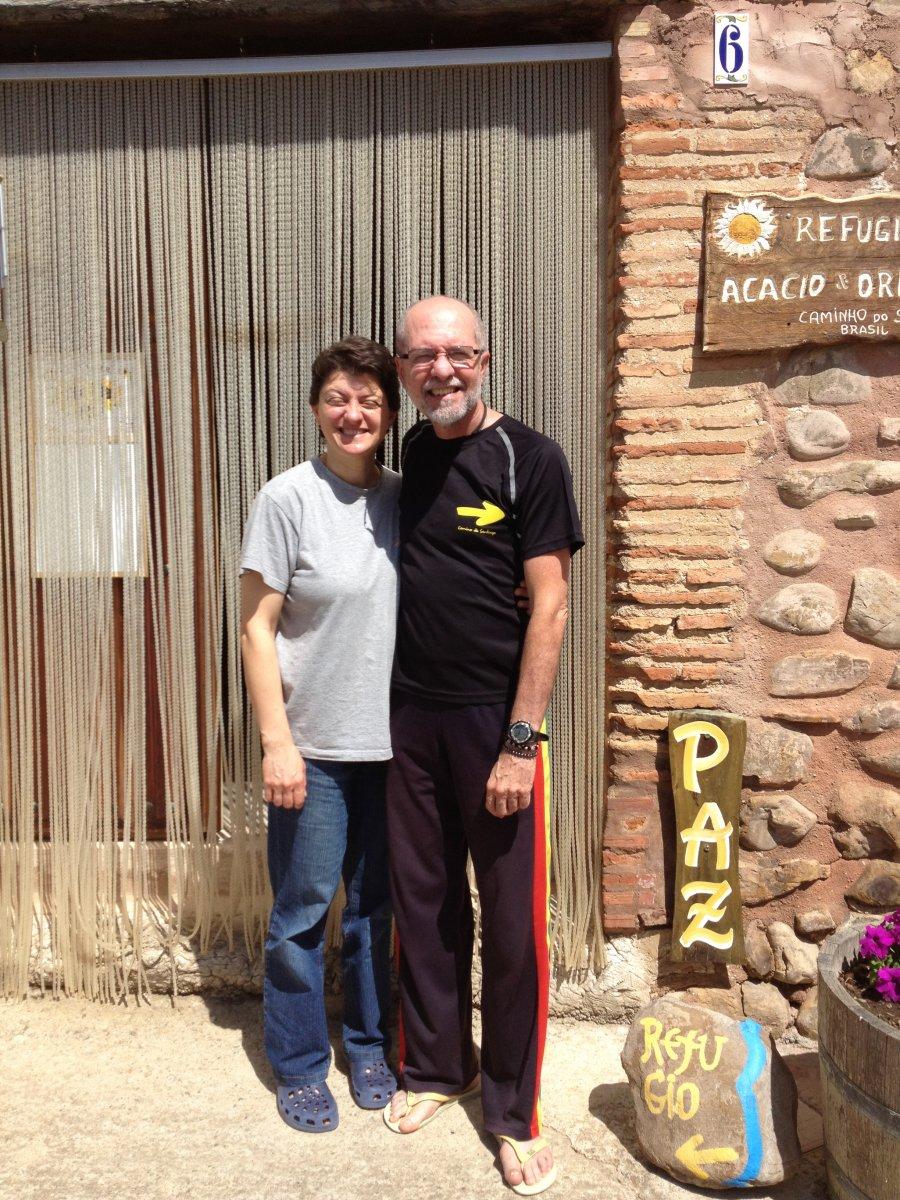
{"x": 888, "y": 984}
{"x": 876, "y": 941}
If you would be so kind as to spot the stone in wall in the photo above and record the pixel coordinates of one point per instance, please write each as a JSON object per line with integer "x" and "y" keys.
{"x": 830, "y": 377}
{"x": 774, "y": 755}
{"x": 874, "y": 611}
{"x": 770, "y": 819}
{"x": 889, "y": 431}
{"x": 816, "y": 924}
{"x": 803, "y": 608}
{"x": 803, "y": 714}
{"x": 803, "y": 486}
{"x": 763, "y": 1002}
{"x": 876, "y": 718}
{"x": 883, "y": 757}
{"x": 762, "y": 881}
{"x": 865, "y": 518}
{"x": 795, "y": 961}
{"x": 707, "y": 1081}
{"x": 815, "y": 434}
{"x": 759, "y": 961}
{"x": 724, "y": 1000}
{"x": 818, "y": 673}
{"x": 867, "y": 819}
{"x": 842, "y": 153}
{"x": 877, "y": 887}
{"x": 794, "y": 552}
{"x": 870, "y": 74}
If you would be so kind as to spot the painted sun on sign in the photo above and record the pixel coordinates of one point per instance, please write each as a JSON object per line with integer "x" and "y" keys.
{"x": 745, "y": 229}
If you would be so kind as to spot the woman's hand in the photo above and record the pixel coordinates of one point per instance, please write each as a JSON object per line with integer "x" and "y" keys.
{"x": 284, "y": 776}
{"x": 523, "y": 597}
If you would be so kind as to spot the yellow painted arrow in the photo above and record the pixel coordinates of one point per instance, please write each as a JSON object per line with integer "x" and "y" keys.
{"x": 488, "y": 514}
{"x": 690, "y": 1154}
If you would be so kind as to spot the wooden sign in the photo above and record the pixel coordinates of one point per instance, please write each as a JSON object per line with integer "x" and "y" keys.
{"x": 786, "y": 271}
{"x": 706, "y": 753}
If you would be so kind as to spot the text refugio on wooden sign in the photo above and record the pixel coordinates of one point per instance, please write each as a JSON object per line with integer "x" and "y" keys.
{"x": 784, "y": 271}
{"x": 706, "y": 753}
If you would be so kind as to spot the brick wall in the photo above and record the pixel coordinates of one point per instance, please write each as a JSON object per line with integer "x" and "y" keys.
{"x": 699, "y": 441}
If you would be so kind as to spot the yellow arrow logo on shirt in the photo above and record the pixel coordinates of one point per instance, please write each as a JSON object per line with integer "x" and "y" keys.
{"x": 692, "y": 1156}
{"x": 488, "y": 514}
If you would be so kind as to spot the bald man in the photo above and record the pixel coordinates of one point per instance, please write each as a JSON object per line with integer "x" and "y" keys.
{"x": 484, "y": 499}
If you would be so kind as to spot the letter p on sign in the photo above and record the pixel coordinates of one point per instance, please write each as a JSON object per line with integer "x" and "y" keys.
{"x": 693, "y": 764}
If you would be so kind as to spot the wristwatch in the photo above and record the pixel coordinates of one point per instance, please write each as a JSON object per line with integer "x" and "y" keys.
{"x": 522, "y": 739}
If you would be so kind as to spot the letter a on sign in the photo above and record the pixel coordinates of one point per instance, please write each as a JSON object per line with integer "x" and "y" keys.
{"x": 706, "y": 751}
{"x": 708, "y": 827}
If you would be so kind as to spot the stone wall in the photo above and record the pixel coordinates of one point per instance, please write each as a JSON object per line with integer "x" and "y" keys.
{"x": 753, "y": 532}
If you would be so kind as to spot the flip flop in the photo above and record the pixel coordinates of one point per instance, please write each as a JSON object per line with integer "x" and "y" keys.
{"x": 525, "y": 1152}
{"x": 309, "y": 1107}
{"x": 372, "y": 1083}
{"x": 413, "y": 1099}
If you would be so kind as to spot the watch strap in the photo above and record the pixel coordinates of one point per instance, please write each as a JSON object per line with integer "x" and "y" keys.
{"x": 517, "y": 750}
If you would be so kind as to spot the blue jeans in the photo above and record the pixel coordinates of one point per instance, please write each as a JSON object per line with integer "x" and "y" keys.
{"x": 341, "y": 829}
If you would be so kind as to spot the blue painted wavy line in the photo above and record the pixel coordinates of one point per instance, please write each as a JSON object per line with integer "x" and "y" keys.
{"x": 753, "y": 1068}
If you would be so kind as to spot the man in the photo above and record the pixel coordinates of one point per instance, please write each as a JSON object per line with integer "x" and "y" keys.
{"x": 482, "y": 497}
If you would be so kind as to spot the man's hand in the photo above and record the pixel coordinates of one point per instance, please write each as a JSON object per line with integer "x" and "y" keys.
{"x": 284, "y": 776}
{"x": 509, "y": 787}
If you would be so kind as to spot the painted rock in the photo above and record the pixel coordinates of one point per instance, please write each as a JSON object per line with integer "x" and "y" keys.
{"x": 716, "y": 1106}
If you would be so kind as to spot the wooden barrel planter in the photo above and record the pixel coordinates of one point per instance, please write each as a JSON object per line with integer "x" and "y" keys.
{"x": 860, "y": 1064}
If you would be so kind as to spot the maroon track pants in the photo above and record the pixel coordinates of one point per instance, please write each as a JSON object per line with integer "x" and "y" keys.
{"x": 436, "y": 813}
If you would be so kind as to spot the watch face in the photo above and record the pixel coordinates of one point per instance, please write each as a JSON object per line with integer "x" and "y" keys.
{"x": 520, "y": 732}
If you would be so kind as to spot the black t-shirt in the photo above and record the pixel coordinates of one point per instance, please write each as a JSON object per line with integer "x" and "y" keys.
{"x": 459, "y": 633}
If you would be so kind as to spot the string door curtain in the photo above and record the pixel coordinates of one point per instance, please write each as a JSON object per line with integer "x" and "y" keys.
{"x": 178, "y": 252}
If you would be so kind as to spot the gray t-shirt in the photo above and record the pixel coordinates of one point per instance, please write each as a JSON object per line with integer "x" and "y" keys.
{"x": 332, "y": 549}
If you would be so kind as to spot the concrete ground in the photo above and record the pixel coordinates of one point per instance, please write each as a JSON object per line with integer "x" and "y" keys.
{"x": 176, "y": 1100}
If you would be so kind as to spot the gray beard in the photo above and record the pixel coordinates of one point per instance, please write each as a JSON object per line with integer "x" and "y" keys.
{"x": 452, "y": 413}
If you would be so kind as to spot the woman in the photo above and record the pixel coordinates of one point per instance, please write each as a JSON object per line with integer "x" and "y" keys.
{"x": 319, "y": 602}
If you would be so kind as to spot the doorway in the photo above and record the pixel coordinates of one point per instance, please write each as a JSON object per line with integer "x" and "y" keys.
{"x": 179, "y": 250}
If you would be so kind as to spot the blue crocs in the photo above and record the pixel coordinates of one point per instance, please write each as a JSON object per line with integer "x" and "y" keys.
{"x": 372, "y": 1084}
{"x": 309, "y": 1107}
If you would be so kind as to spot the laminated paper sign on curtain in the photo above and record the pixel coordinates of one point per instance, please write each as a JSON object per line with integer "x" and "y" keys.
{"x": 706, "y": 752}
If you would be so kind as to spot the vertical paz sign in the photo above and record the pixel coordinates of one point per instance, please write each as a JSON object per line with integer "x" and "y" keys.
{"x": 706, "y": 753}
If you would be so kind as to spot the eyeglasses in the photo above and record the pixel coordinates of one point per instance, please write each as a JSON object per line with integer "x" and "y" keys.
{"x": 366, "y": 403}
{"x": 457, "y": 356}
